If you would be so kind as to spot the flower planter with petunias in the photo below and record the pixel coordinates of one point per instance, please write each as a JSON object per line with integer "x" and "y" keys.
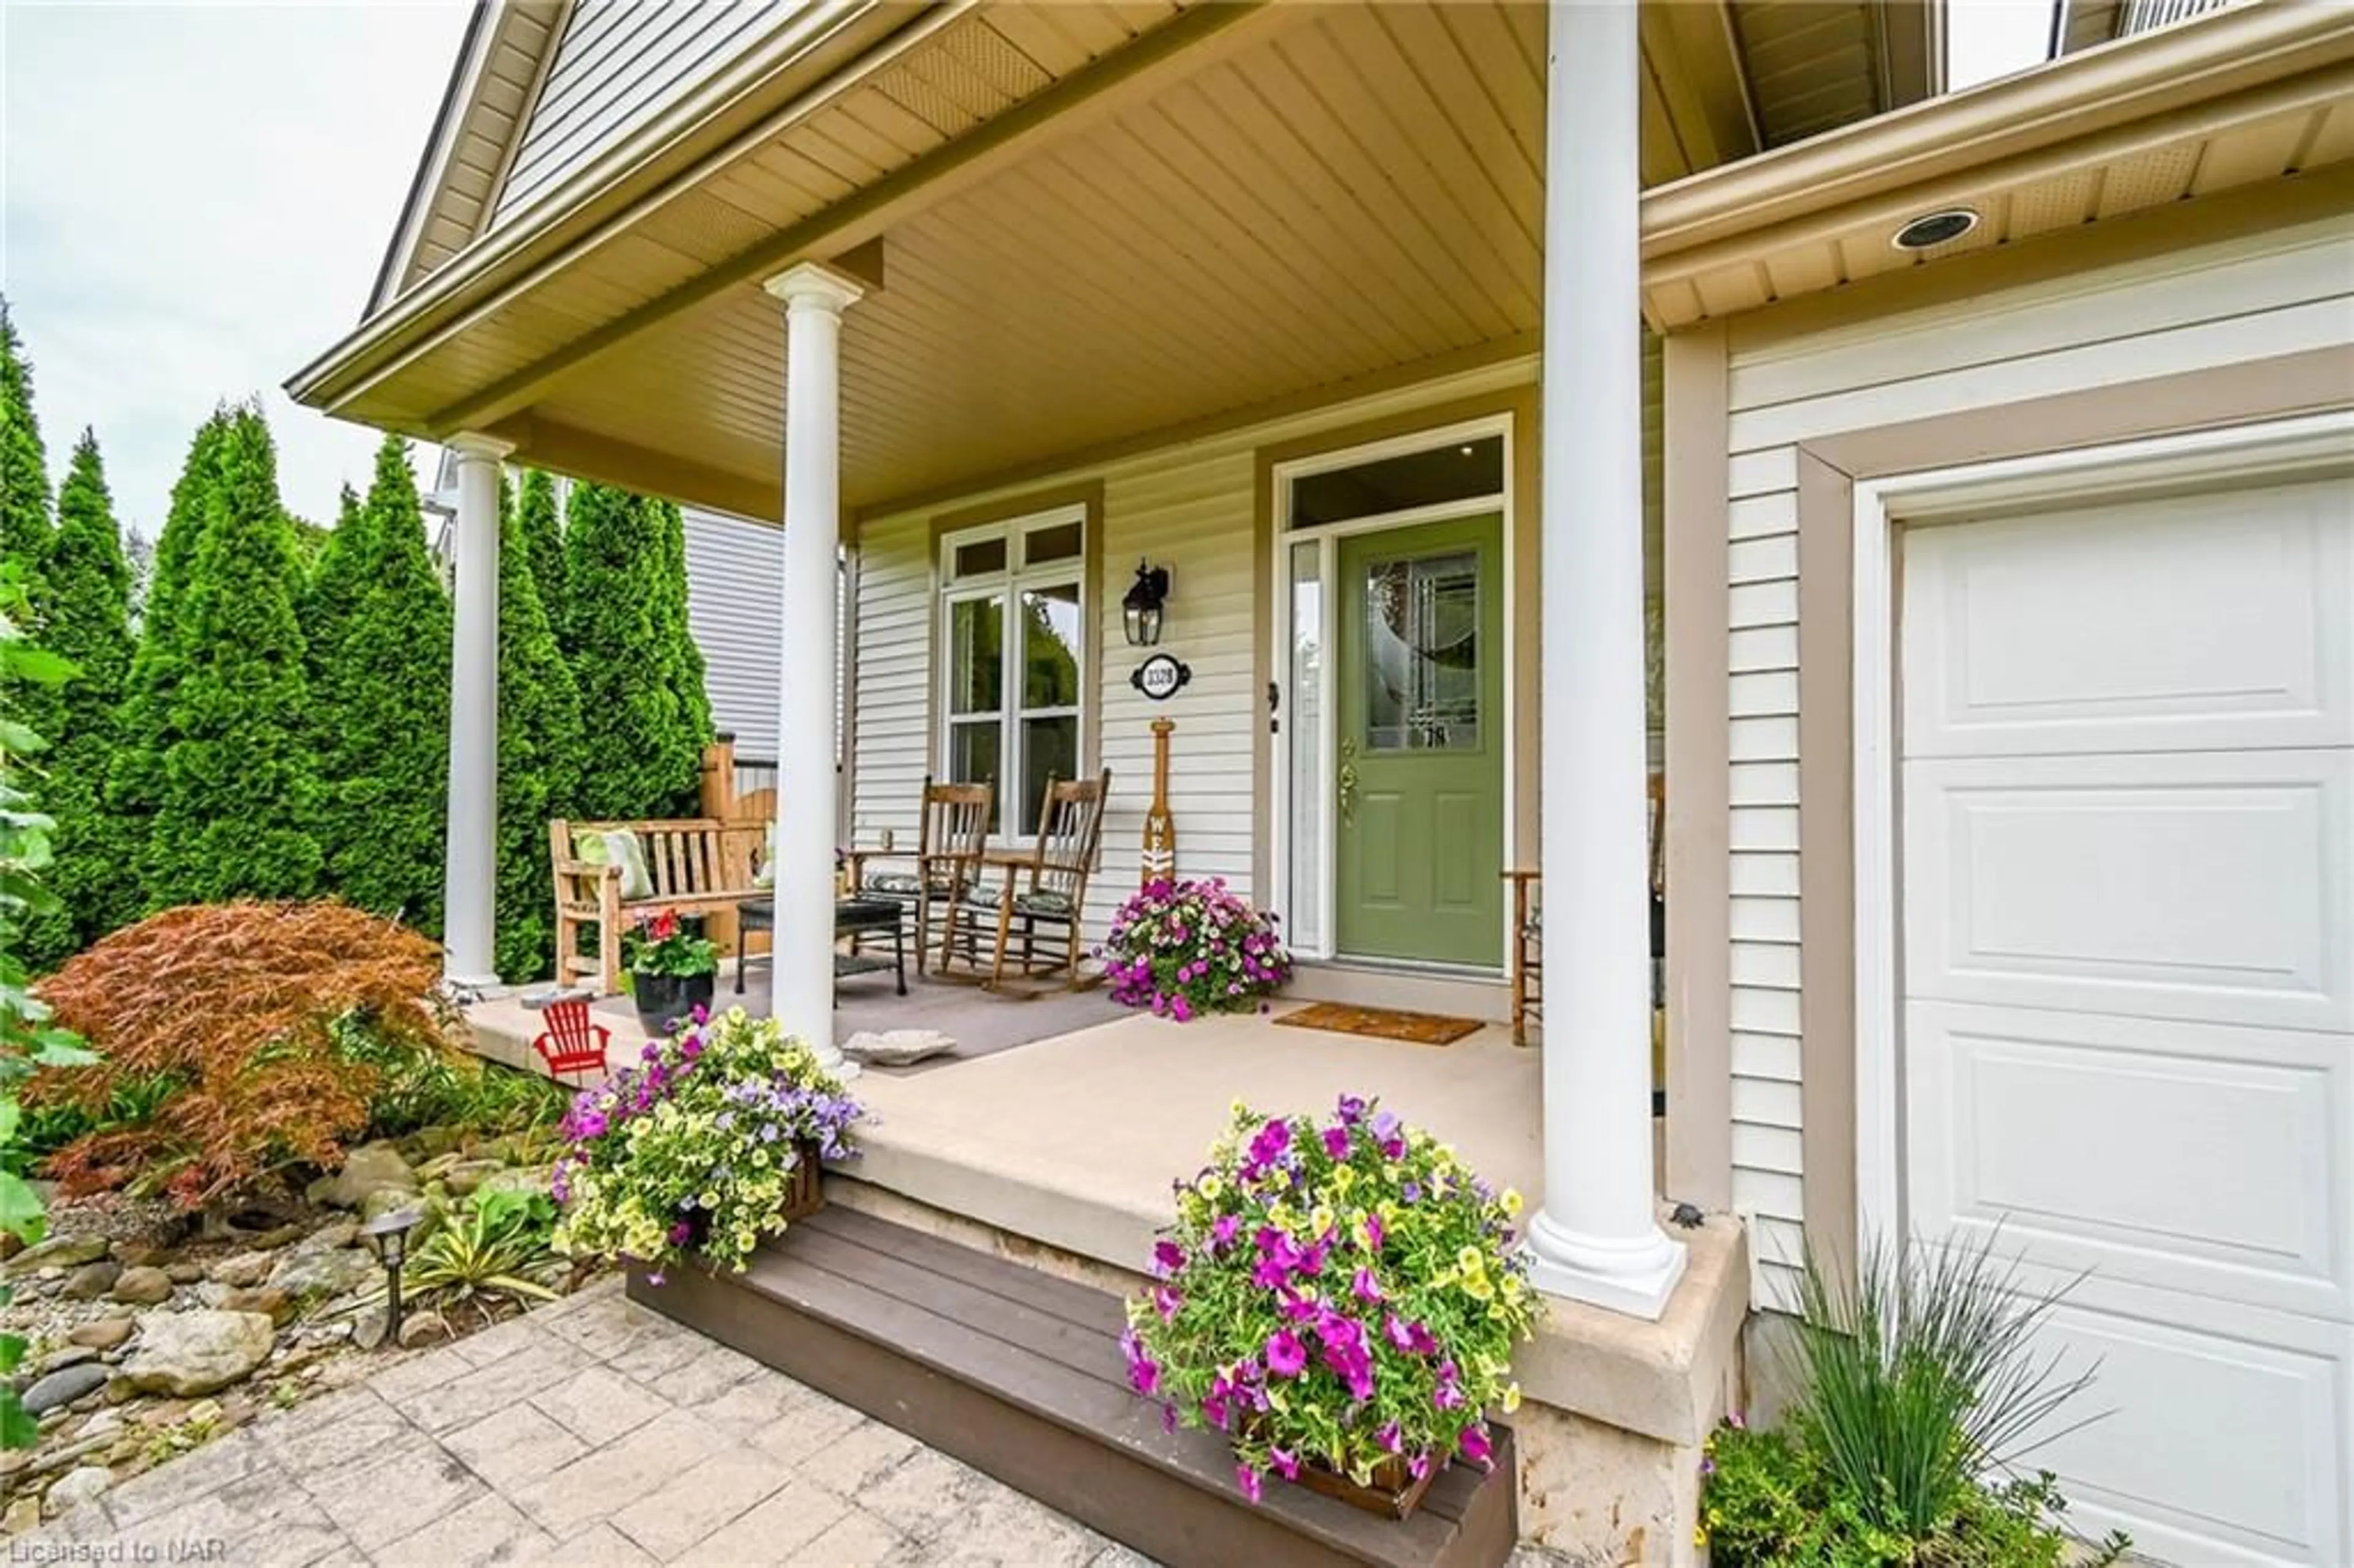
{"x": 711, "y": 1142}
{"x": 1341, "y": 1300}
{"x": 1188, "y": 947}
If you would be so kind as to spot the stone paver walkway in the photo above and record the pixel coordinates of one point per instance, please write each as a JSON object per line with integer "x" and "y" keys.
{"x": 590, "y": 1432}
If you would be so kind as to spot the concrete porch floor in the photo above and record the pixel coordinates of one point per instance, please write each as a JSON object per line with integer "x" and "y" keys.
{"x": 979, "y": 1022}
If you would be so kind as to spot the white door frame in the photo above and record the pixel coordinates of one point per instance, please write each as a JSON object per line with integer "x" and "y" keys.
{"x": 1326, "y": 537}
{"x": 2267, "y": 451}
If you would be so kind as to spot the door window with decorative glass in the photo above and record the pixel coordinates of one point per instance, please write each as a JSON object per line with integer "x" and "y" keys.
{"x": 1014, "y": 658}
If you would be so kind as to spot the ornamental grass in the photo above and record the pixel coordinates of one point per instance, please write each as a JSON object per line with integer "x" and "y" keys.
{"x": 690, "y": 1153}
{"x": 1345, "y": 1295}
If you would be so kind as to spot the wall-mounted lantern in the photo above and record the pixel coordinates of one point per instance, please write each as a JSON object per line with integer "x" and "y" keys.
{"x": 1141, "y": 606}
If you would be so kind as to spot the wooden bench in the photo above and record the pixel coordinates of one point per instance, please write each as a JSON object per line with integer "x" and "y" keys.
{"x": 697, "y": 865}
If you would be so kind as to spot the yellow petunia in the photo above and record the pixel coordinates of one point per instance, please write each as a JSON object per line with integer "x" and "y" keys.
{"x": 1471, "y": 1261}
{"x": 1320, "y": 1220}
{"x": 1511, "y": 1201}
{"x": 1512, "y": 1398}
{"x": 1211, "y": 1185}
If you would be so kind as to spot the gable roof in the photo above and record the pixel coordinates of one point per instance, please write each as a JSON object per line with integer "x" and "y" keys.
{"x": 502, "y": 60}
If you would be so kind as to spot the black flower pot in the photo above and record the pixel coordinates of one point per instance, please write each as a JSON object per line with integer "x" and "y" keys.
{"x": 664, "y": 999}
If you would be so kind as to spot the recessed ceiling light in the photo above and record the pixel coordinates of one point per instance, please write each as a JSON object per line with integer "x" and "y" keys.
{"x": 1932, "y": 229}
{"x": 1465, "y": 450}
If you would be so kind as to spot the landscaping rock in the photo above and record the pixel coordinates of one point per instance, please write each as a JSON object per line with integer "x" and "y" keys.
{"x": 102, "y": 1333}
{"x": 69, "y": 1356}
{"x": 57, "y": 1252}
{"x": 540, "y": 1179}
{"x": 243, "y": 1268}
{"x": 196, "y": 1352}
{"x": 183, "y": 1273}
{"x": 324, "y": 1266}
{"x": 440, "y": 1165}
{"x": 466, "y": 1178}
{"x": 24, "y": 1516}
{"x": 272, "y": 1240}
{"x": 336, "y": 1232}
{"x": 270, "y": 1300}
{"x": 64, "y": 1386}
{"x": 369, "y": 1329}
{"x": 141, "y": 1255}
{"x": 144, "y": 1287}
{"x": 388, "y": 1199}
{"x": 91, "y": 1281}
{"x": 367, "y": 1169}
{"x": 76, "y": 1487}
{"x": 423, "y": 1328}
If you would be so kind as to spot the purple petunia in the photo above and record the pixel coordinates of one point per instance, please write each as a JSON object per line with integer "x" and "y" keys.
{"x": 1336, "y": 1142}
{"x": 1286, "y": 1356}
{"x": 1168, "y": 1257}
{"x": 1248, "y": 1479}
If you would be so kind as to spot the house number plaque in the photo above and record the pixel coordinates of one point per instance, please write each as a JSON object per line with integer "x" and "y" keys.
{"x": 1161, "y": 678}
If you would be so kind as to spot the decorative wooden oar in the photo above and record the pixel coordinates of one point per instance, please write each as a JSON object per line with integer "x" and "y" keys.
{"x": 1160, "y": 827}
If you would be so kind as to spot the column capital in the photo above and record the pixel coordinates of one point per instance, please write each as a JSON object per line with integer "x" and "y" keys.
{"x": 480, "y": 447}
{"x": 817, "y": 284}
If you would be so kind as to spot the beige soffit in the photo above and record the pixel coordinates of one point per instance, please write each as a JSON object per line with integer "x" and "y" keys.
{"x": 1697, "y": 114}
{"x": 2237, "y": 97}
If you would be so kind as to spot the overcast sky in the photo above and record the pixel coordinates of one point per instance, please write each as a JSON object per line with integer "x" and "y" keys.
{"x": 194, "y": 200}
{"x": 193, "y": 203}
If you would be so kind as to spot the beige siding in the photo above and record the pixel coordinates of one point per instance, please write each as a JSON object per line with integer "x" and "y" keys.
{"x": 620, "y": 63}
{"x": 2274, "y": 293}
{"x": 1190, "y": 507}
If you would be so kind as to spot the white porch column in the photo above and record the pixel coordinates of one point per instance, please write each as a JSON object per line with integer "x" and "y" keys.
{"x": 802, "y": 974}
{"x": 1596, "y": 1238}
{"x": 470, "y": 876}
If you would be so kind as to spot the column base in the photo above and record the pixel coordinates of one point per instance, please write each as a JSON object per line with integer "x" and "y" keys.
{"x": 458, "y": 979}
{"x": 1635, "y": 1277}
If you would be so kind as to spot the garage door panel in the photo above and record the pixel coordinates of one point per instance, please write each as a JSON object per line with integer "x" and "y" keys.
{"x": 2206, "y": 1159}
{"x": 2202, "y": 886}
{"x": 2224, "y": 1430}
{"x": 2196, "y": 622}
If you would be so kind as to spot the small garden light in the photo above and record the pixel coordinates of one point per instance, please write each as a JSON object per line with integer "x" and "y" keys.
{"x": 388, "y": 1234}
{"x": 1140, "y": 606}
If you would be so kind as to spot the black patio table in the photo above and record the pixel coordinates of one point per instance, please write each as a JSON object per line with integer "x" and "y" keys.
{"x": 852, "y": 918}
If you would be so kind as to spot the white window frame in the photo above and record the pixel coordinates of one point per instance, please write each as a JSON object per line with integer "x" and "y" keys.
{"x": 1326, "y": 537}
{"x": 1016, "y": 819}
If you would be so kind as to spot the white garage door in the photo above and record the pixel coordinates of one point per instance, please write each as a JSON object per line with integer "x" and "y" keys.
{"x": 2127, "y": 796}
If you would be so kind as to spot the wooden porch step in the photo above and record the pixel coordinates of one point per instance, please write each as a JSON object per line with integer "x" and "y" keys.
{"x": 1020, "y": 1374}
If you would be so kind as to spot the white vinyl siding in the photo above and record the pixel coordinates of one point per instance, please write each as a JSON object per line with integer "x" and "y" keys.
{"x": 620, "y": 63}
{"x": 1188, "y": 507}
{"x": 735, "y": 568}
{"x": 2248, "y": 298}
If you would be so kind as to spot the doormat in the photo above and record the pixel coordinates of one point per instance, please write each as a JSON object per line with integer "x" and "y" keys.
{"x": 1382, "y": 1023}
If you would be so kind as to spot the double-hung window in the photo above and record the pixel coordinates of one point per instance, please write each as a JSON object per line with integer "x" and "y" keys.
{"x": 1014, "y": 661}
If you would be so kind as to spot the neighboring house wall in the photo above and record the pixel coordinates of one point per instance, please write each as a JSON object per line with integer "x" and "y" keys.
{"x": 619, "y": 64}
{"x": 2190, "y": 299}
{"x": 735, "y": 568}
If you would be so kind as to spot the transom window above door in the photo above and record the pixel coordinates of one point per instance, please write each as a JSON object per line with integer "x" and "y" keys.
{"x": 1013, "y": 658}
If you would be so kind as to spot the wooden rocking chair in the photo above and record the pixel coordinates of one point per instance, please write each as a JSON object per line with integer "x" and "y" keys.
{"x": 952, "y": 834}
{"x": 1044, "y": 894}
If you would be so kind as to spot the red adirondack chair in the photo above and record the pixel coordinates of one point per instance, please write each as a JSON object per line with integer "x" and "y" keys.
{"x": 572, "y": 1043}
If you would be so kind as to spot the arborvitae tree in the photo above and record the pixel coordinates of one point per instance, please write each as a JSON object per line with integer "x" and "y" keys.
{"x": 135, "y": 778}
{"x": 25, "y": 513}
{"x": 383, "y": 702}
{"x": 334, "y": 585}
{"x": 539, "y": 756}
{"x": 89, "y": 622}
{"x": 543, "y": 537}
{"x": 625, "y": 621}
{"x": 240, "y": 794}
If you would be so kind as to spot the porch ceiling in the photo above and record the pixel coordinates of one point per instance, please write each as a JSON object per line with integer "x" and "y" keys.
{"x": 1095, "y": 222}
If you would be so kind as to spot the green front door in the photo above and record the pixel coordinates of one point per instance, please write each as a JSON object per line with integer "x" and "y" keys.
{"x": 1418, "y": 653}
